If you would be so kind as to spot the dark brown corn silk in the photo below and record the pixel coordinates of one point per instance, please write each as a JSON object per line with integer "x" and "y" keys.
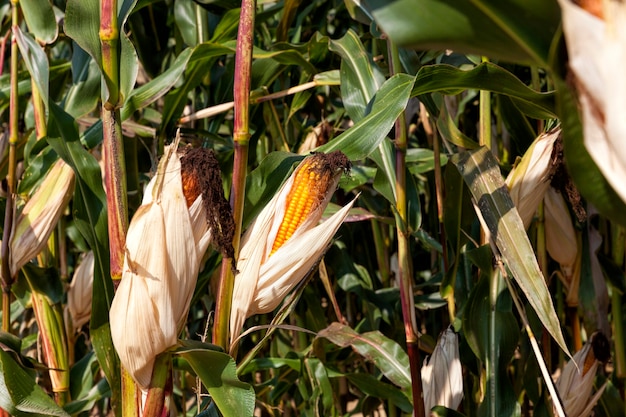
{"x": 201, "y": 175}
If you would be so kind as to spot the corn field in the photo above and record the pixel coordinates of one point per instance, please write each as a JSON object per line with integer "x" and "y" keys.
{"x": 325, "y": 208}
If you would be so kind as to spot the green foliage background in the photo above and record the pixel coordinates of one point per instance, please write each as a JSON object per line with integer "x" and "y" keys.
{"x": 176, "y": 58}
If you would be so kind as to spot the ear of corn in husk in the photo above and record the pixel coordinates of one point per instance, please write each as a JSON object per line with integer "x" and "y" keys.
{"x": 40, "y": 215}
{"x": 164, "y": 247}
{"x": 530, "y": 179}
{"x": 575, "y": 384}
{"x": 285, "y": 241}
{"x": 595, "y": 38}
{"x": 562, "y": 242}
{"x": 442, "y": 375}
{"x": 79, "y": 293}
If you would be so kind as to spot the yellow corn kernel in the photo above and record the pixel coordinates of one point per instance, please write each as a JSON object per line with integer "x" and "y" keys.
{"x": 311, "y": 184}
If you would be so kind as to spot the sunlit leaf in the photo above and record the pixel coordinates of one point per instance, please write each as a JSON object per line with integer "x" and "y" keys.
{"x": 515, "y": 31}
{"x": 482, "y": 175}
{"x": 40, "y": 19}
{"x": 360, "y": 77}
{"x": 364, "y": 137}
{"x": 36, "y": 61}
{"x": 486, "y": 76}
{"x": 156, "y": 88}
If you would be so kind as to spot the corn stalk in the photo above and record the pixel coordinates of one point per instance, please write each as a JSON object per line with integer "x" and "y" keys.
{"x": 7, "y": 279}
{"x": 241, "y": 137}
{"x": 405, "y": 274}
{"x": 114, "y": 165}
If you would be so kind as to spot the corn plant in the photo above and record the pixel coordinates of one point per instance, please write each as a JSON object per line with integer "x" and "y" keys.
{"x": 334, "y": 208}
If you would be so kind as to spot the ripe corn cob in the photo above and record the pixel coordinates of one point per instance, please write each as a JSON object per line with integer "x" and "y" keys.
{"x": 313, "y": 181}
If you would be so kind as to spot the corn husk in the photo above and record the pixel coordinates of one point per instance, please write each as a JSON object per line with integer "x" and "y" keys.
{"x": 596, "y": 58}
{"x": 79, "y": 293}
{"x": 164, "y": 247}
{"x": 442, "y": 374}
{"x": 264, "y": 279}
{"x": 530, "y": 179}
{"x": 562, "y": 242}
{"x": 40, "y": 215}
{"x": 575, "y": 384}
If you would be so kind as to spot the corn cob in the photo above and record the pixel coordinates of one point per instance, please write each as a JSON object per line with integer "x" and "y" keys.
{"x": 312, "y": 182}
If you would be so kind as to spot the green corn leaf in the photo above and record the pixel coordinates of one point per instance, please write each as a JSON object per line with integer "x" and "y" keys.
{"x": 360, "y": 77}
{"x": 515, "y": 31}
{"x": 376, "y": 388}
{"x": 364, "y": 137}
{"x": 482, "y": 175}
{"x": 486, "y": 76}
{"x": 386, "y": 354}
{"x": 20, "y": 395}
{"x": 91, "y": 220}
{"x": 218, "y": 373}
{"x": 36, "y": 61}
{"x": 40, "y": 19}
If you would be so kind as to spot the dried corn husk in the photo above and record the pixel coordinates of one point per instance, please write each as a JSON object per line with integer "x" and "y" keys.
{"x": 79, "y": 293}
{"x": 575, "y": 385}
{"x": 530, "y": 179}
{"x": 40, "y": 215}
{"x": 596, "y": 58}
{"x": 562, "y": 242}
{"x": 164, "y": 247}
{"x": 442, "y": 375}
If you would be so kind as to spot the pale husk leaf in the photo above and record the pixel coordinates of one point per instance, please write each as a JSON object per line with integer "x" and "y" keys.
{"x": 561, "y": 238}
{"x": 529, "y": 180}
{"x": 575, "y": 387}
{"x": 596, "y": 57}
{"x": 40, "y": 215}
{"x": 79, "y": 293}
{"x": 160, "y": 272}
{"x": 442, "y": 374}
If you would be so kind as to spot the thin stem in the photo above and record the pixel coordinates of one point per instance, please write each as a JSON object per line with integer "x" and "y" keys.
{"x": 41, "y": 127}
{"x": 556, "y": 402}
{"x": 3, "y": 45}
{"x": 405, "y": 274}
{"x": 241, "y": 137}
{"x": 484, "y": 130}
{"x": 7, "y": 278}
{"x": 494, "y": 291}
{"x": 484, "y": 121}
{"x": 224, "y": 107}
{"x": 116, "y": 188}
{"x": 542, "y": 259}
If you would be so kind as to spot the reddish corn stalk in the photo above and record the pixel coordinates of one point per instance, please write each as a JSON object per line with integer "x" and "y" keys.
{"x": 405, "y": 274}
{"x": 241, "y": 136}
{"x": 7, "y": 279}
{"x": 114, "y": 166}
